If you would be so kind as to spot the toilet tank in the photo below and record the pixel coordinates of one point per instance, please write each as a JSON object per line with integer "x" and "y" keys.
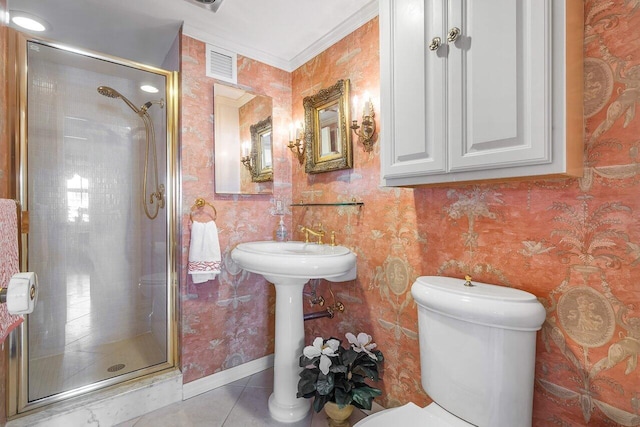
{"x": 478, "y": 349}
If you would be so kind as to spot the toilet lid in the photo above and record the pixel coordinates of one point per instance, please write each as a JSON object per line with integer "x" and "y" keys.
{"x": 412, "y": 415}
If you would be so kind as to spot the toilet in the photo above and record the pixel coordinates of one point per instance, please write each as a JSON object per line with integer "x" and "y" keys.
{"x": 477, "y": 356}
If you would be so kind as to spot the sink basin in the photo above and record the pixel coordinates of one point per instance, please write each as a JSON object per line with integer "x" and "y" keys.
{"x": 289, "y": 265}
{"x": 296, "y": 260}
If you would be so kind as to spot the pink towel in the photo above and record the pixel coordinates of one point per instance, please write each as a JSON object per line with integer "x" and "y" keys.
{"x": 9, "y": 264}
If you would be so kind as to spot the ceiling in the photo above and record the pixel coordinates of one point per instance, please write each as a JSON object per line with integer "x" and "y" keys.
{"x": 281, "y": 33}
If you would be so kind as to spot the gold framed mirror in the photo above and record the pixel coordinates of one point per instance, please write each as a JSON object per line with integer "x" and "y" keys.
{"x": 327, "y": 132}
{"x": 261, "y": 150}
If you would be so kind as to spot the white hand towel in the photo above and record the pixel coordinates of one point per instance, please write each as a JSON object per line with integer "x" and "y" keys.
{"x": 204, "y": 252}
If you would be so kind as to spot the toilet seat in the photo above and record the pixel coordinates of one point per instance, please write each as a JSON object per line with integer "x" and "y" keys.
{"x": 411, "y": 415}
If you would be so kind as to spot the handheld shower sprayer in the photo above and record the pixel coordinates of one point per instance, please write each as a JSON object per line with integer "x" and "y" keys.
{"x": 112, "y": 93}
{"x": 158, "y": 194}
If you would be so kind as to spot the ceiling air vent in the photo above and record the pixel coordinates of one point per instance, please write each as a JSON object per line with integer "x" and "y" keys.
{"x": 222, "y": 64}
{"x": 211, "y": 5}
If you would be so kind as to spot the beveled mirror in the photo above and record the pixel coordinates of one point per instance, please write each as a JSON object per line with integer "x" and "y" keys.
{"x": 261, "y": 151}
{"x": 235, "y": 111}
{"x": 327, "y": 133}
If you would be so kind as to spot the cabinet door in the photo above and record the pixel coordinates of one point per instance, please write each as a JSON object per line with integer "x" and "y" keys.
{"x": 498, "y": 80}
{"x": 412, "y": 93}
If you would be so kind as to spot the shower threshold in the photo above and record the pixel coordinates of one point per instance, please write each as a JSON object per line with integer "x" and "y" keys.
{"x": 112, "y": 405}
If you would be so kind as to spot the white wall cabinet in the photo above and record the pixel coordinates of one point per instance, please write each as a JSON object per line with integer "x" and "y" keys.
{"x": 480, "y": 89}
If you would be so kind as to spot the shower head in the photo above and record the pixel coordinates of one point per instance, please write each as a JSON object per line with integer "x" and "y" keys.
{"x": 108, "y": 92}
{"x": 112, "y": 93}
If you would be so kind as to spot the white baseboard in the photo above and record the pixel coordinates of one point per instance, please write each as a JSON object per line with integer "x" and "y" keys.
{"x": 225, "y": 377}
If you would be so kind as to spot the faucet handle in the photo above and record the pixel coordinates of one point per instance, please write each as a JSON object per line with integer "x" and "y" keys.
{"x": 305, "y": 230}
{"x": 333, "y": 238}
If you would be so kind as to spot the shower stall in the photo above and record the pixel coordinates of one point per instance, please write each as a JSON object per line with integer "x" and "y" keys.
{"x": 97, "y": 169}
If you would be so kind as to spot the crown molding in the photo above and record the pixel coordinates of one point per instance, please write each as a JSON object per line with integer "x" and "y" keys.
{"x": 240, "y": 49}
{"x": 355, "y": 21}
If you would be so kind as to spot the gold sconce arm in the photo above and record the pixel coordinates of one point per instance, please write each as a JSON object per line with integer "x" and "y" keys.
{"x": 247, "y": 158}
{"x": 246, "y": 161}
{"x": 366, "y": 133}
{"x": 296, "y": 142}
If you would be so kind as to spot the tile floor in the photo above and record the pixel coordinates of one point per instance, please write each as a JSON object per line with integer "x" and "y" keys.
{"x": 240, "y": 404}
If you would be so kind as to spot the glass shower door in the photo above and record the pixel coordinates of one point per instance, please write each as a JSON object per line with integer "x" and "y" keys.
{"x": 102, "y": 314}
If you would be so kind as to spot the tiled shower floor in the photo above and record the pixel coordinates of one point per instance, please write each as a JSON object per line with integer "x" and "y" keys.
{"x": 240, "y": 404}
{"x": 81, "y": 366}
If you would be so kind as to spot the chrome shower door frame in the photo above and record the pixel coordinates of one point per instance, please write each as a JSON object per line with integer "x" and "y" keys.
{"x": 17, "y": 350}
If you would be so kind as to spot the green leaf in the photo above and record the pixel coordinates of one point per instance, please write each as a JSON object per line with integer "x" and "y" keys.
{"x": 307, "y": 381}
{"x": 319, "y": 402}
{"x": 358, "y": 379}
{"x": 335, "y": 368}
{"x": 365, "y": 371}
{"x": 349, "y": 356}
{"x": 342, "y": 398}
{"x": 325, "y": 384}
{"x": 306, "y": 388}
{"x": 305, "y": 361}
{"x": 309, "y": 374}
{"x": 343, "y": 384}
{"x": 363, "y": 396}
{"x": 367, "y": 361}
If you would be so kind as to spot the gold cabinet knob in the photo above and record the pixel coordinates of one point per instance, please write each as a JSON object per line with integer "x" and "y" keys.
{"x": 453, "y": 35}
{"x": 435, "y": 43}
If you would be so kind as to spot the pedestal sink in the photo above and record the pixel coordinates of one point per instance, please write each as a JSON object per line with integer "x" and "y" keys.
{"x": 289, "y": 265}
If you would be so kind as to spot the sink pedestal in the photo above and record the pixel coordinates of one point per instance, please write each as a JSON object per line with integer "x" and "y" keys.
{"x": 289, "y": 265}
{"x": 284, "y": 406}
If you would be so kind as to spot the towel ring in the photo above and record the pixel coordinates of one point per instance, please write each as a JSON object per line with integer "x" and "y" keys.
{"x": 200, "y": 203}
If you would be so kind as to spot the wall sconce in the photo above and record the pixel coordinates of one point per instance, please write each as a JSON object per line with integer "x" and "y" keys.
{"x": 246, "y": 157}
{"x": 298, "y": 147}
{"x": 367, "y": 134}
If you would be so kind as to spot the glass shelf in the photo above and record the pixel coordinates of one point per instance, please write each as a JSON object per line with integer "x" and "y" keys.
{"x": 329, "y": 204}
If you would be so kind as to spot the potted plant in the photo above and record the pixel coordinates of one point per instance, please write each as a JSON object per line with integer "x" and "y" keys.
{"x": 334, "y": 374}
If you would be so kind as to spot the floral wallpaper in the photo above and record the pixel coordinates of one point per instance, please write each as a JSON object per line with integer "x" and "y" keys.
{"x": 574, "y": 243}
{"x": 227, "y": 321}
{"x": 5, "y": 167}
{"x": 5, "y": 160}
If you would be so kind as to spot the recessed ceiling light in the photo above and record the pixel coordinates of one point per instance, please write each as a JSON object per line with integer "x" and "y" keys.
{"x": 149, "y": 88}
{"x": 28, "y": 22}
